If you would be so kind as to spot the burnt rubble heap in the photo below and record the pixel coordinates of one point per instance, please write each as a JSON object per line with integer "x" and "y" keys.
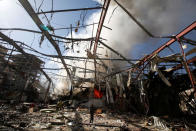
{"x": 156, "y": 92}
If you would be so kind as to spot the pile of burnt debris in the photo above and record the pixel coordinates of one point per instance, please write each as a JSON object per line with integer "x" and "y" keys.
{"x": 156, "y": 92}
{"x": 147, "y": 104}
{"x": 157, "y": 99}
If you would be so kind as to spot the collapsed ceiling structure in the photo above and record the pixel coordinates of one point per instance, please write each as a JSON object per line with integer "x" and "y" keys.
{"x": 147, "y": 86}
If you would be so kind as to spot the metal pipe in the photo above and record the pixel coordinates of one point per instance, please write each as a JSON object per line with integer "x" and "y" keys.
{"x": 186, "y": 65}
{"x": 171, "y": 41}
{"x": 69, "y": 10}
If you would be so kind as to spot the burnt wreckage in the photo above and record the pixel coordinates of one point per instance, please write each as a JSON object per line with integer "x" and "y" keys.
{"x": 149, "y": 94}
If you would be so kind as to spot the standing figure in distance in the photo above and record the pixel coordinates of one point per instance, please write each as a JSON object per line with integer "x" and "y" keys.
{"x": 92, "y": 110}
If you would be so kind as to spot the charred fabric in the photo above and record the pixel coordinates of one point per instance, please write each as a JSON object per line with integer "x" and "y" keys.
{"x": 151, "y": 86}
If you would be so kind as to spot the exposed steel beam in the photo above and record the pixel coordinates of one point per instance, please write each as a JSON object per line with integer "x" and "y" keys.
{"x": 179, "y": 66}
{"x": 69, "y": 10}
{"x": 176, "y": 38}
{"x": 27, "y": 6}
{"x": 56, "y": 36}
{"x": 101, "y": 21}
{"x": 100, "y": 25}
{"x": 189, "y": 41}
{"x": 171, "y": 41}
{"x": 186, "y": 65}
{"x": 139, "y": 23}
{"x": 135, "y": 20}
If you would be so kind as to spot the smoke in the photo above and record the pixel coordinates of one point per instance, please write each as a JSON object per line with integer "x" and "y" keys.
{"x": 160, "y": 17}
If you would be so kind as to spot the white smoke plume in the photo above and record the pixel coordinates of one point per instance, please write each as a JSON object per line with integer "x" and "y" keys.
{"x": 160, "y": 17}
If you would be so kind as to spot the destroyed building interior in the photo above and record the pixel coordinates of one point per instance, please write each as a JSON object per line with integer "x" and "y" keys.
{"x": 106, "y": 65}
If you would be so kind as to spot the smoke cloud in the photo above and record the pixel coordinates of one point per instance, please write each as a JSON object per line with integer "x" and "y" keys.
{"x": 160, "y": 17}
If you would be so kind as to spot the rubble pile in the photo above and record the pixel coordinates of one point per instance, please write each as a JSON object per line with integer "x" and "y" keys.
{"x": 47, "y": 117}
